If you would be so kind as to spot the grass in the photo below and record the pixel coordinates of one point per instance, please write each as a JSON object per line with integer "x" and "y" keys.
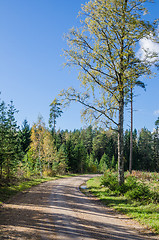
{"x": 20, "y": 185}
{"x": 145, "y": 214}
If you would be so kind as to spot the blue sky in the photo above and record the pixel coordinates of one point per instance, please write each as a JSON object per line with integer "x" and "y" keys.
{"x": 31, "y": 65}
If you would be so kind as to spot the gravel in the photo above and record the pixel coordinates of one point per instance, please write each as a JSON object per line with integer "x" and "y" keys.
{"x": 59, "y": 210}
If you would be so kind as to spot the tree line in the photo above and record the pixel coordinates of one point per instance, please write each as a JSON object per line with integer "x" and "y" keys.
{"x": 104, "y": 50}
{"x": 38, "y": 150}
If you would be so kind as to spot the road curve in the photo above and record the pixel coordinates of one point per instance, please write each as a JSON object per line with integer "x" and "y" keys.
{"x": 57, "y": 210}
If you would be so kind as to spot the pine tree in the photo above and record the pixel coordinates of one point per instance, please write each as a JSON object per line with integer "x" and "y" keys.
{"x": 55, "y": 112}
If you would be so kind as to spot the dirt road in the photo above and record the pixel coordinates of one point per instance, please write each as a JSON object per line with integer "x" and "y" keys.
{"x": 57, "y": 210}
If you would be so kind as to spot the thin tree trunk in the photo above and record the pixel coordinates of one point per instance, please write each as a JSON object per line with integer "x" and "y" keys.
{"x": 121, "y": 142}
{"x": 131, "y": 131}
{"x": 54, "y": 122}
{"x": 40, "y": 164}
{"x": 8, "y": 170}
{"x": 1, "y": 172}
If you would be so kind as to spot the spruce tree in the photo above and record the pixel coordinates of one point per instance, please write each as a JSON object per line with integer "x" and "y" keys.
{"x": 3, "y": 132}
{"x": 24, "y": 135}
{"x": 13, "y": 151}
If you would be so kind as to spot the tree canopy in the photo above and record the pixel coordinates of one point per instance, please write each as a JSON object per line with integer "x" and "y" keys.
{"x": 104, "y": 50}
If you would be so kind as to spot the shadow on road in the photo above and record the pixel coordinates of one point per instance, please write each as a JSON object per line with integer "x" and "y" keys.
{"x": 58, "y": 210}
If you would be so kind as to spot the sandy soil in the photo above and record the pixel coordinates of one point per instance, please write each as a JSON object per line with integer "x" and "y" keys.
{"x": 57, "y": 210}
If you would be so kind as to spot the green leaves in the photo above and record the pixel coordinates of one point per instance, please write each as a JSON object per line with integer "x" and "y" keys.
{"x": 10, "y": 145}
{"x": 104, "y": 50}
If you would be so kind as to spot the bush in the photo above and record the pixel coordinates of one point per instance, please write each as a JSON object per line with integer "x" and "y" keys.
{"x": 110, "y": 180}
{"x": 155, "y": 197}
{"x": 131, "y": 182}
{"x": 48, "y": 173}
{"x": 141, "y": 192}
{"x": 132, "y": 189}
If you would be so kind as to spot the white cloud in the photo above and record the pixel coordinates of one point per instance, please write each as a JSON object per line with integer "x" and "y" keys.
{"x": 156, "y": 112}
{"x": 147, "y": 45}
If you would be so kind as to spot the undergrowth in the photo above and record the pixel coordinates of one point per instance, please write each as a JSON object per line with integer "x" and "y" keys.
{"x": 135, "y": 197}
{"x": 132, "y": 189}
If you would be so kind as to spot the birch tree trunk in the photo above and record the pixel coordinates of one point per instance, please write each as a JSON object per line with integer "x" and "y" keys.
{"x": 131, "y": 130}
{"x": 121, "y": 141}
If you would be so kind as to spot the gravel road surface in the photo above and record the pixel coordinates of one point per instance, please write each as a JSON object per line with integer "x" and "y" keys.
{"x": 57, "y": 210}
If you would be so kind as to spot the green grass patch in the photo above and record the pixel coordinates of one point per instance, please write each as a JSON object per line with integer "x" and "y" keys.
{"x": 147, "y": 214}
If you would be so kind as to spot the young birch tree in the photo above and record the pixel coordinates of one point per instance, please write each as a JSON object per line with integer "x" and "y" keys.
{"x": 38, "y": 131}
{"x": 104, "y": 49}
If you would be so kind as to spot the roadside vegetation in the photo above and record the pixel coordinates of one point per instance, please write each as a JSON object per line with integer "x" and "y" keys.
{"x": 16, "y": 185}
{"x": 138, "y": 197}
{"x": 9, "y": 189}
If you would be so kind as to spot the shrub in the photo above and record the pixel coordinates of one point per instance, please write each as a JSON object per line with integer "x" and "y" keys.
{"x": 140, "y": 192}
{"x": 155, "y": 197}
{"x": 131, "y": 182}
{"x": 110, "y": 180}
{"x": 48, "y": 173}
{"x": 132, "y": 189}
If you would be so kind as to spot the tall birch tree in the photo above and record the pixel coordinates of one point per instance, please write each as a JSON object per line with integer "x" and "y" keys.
{"x": 104, "y": 49}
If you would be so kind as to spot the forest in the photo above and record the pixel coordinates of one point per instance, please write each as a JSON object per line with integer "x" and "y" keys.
{"x": 112, "y": 50}
{"x": 42, "y": 151}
